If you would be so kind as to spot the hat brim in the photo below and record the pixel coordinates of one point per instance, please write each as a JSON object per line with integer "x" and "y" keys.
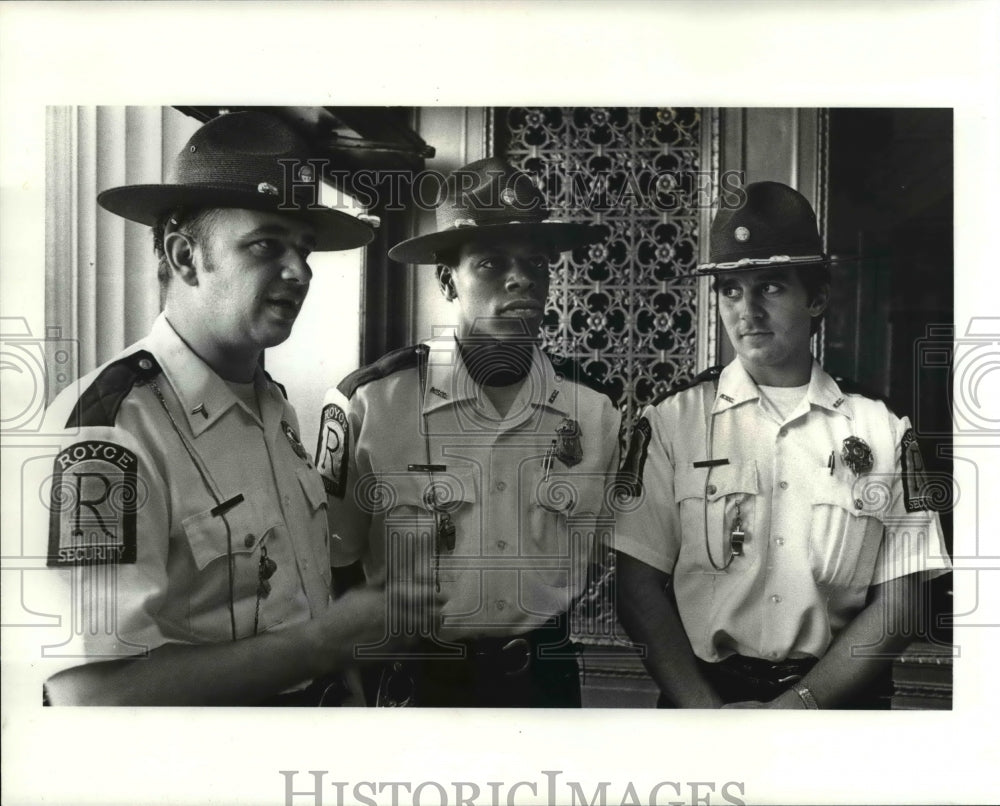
{"x": 145, "y": 204}
{"x": 755, "y": 264}
{"x": 560, "y": 236}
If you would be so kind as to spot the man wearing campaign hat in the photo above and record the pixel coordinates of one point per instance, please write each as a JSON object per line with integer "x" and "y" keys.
{"x": 481, "y": 453}
{"x": 782, "y": 522}
{"x": 188, "y": 546}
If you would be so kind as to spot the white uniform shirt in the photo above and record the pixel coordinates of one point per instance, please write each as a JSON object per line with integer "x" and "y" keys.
{"x": 523, "y": 537}
{"x": 815, "y": 540}
{"x": 128, "y": 494}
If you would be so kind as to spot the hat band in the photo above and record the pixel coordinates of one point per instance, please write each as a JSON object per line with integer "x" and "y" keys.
{"x": 760, "y": 261}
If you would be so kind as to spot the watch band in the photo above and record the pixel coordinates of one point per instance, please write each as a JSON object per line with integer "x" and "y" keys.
{"x": 806, "y": 696}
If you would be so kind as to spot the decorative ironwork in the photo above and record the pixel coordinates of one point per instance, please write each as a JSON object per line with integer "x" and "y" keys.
{"x": 627, "y": 309}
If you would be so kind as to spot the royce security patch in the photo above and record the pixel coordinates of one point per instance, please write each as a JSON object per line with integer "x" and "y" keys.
{"x": 630, "y": 475}
{"x": 914, "y": 473}
{"x": 93, "y": 504}
{"x": 331, "y": 452}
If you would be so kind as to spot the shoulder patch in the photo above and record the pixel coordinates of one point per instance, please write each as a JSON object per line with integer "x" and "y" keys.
{"x": 92, "y": 511}
{"x": 403, "y": 358}
{"x": 710, "y": 375}
{"x": 332, "y": 449}
{"x": 574, "y": 371}
{"x": 915, "y": 491}
{"x": 99, "y": 403}
{"x": 630, "y": 474}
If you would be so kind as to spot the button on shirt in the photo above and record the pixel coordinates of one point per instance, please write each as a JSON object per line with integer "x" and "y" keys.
{"x": 526, "y": 513}
{"x": 815, "y": 541}
{"x": 178, "y": 589}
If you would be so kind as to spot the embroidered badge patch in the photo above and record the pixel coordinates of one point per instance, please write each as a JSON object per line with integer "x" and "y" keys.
{"x": 630, "y": 476}
{"x": 294, "y": 441}
{"x": 915, "y": 496}
{"x": 331, "y": 452}
{"x": 93, "y": 504}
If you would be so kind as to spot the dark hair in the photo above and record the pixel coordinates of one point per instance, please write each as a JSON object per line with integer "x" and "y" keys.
{"x": 196, "y": 222}
{"x": 814, "y": 278}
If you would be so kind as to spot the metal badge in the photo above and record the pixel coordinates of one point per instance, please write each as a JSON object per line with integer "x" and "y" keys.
{"x": 293, "y": 439}
{"x": 568, "y": 448}
{"x": 742, "y": 234}
{"x": 507, "y": 196}
{"x": 857, "y": 455}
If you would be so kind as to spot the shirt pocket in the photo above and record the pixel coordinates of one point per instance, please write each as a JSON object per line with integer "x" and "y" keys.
{"x": 209, "y": 540}
{"x": 710, "y": 504}
{"x": 562, "y": 547}
{"x": 844, "y": 535}
{"x": 414, "y": 503}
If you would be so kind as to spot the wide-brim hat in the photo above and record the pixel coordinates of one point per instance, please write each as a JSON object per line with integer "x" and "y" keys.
{"x": 490, "y": 200}
{"x": 247, "y": 160}
{"x": 775, "y": 226}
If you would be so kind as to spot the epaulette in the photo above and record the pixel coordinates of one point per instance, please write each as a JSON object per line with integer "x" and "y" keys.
{"x": 711, "y": 374}
{"x": 851, "y": 387}
{"x": 281, "y": 386}
{"x": 403, "y": 358}
{"x": 99, "y": 403}
{"x": 574, "y": 371}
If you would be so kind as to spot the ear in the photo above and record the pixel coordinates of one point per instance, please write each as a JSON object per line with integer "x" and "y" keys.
{"x": 179, "y": 251}
{"x": 446, "y": 282}
{"x": 820, "y": 301}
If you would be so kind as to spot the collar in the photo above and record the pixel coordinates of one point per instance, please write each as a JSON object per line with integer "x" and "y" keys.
{"x": 449, "y": 382}
{"x": 202, "y": 394}
{"x": 737, "y": 387}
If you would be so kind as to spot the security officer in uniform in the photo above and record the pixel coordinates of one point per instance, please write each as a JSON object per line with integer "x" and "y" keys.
{"x": 782, "y": 527}
{"x": 480, "y": 454}
{"x": 188, "y": 537}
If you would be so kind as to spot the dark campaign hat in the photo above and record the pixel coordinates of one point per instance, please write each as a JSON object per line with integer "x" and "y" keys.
{"x": 776, "y": 226}
{"x": 249, "y": 160}
{"x": 490, "y": 199}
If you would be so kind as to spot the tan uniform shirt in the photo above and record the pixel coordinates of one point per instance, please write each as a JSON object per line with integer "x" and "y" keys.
{"x": 136, "y": 557}
{"x": 526, "y": 498}
{"x": 816, "y": 539}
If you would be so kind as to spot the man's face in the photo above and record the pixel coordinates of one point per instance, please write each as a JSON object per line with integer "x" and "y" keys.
{"x": 767, "y": 315}
{"x": 500, "y": 289}
{"x": 254, "y": 276}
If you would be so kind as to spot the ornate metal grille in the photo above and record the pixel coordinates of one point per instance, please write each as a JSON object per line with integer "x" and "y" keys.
{"x": 626, "y": 309}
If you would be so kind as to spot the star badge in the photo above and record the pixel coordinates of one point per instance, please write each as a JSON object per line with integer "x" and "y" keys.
{"x": 857, "y": 455}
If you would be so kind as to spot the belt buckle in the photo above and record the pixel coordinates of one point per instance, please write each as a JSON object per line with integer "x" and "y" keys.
{"x": 521, "y": 643}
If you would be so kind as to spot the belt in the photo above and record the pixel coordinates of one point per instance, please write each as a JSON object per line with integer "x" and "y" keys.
{"x": 513, "y": 655}
{"x": 781, "y": 673}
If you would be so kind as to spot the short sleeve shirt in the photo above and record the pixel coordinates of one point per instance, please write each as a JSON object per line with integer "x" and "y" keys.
{"x": 818, "y": 530}
{"x": 527, "y": 493}
{"x": 163, "y": 474}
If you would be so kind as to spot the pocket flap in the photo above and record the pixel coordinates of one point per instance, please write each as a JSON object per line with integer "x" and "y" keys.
{"x": 206, "y": 533}
{"x": 725, "y": 480}
{"x": 312, "y": 486}
{"x": 863, "y": 496}
{"x": 451, "y": 487}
